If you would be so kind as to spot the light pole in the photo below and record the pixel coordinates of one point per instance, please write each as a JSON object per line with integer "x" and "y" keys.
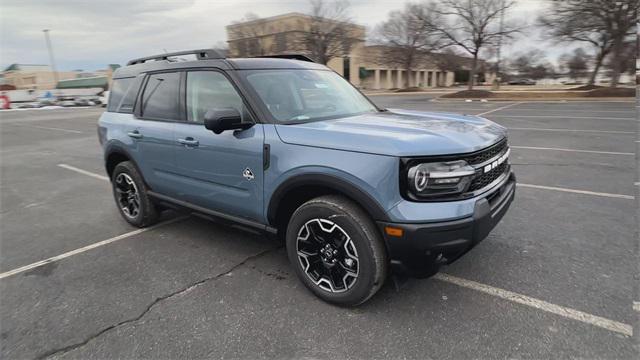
{"x": 498, "y": 77}
{"x": 51, "y": 59}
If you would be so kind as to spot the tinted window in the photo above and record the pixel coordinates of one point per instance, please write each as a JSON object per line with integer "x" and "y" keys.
{"x": 208, "y": 90}
{"x": 160, "y": 98}
{"x": 118, "y": 88}
{"x": 129, "y": 98}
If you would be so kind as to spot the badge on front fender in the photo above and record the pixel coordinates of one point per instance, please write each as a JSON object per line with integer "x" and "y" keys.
{"x": 248, "y": 174}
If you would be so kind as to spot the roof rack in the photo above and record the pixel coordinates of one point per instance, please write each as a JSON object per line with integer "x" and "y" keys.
{"x": 288, "y": 56}
{"x": 202, "y": 54}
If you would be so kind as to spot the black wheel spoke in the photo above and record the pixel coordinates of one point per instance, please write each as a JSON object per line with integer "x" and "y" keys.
{"x": 323, "y": 256}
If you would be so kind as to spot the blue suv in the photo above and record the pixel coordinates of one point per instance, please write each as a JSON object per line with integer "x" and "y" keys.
{"x": 289, "y": 147}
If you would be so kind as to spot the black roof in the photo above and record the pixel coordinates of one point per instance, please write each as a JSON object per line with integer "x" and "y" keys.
{"x": 161, "y": 62}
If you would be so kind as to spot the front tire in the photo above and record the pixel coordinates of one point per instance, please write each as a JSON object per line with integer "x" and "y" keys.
{"x": 336, "y": 250}
{"x": 131, "y": 196}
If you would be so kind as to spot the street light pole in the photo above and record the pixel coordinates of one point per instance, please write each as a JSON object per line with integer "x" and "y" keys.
{"x": 51, "y": 59}
{"x": 499, "y": 78}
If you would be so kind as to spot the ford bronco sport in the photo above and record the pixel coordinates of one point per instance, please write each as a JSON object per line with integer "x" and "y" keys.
{"x": 289, "y": 147}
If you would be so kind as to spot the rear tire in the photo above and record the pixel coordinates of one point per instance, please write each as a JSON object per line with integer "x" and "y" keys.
{"x": 336, "y": 250}
{"x": 130, "y": 193}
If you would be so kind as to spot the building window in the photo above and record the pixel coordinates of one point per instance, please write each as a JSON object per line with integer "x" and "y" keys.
{"x": 253, "y": 47}
{"x": 281, "y": 42}
{"x": 346, "y": 65}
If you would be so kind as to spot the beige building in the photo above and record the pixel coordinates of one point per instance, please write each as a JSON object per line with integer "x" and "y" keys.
{"x": 40, "y": 77}
{"x": 368, "y": 67}
{"x": 33, "y": 77}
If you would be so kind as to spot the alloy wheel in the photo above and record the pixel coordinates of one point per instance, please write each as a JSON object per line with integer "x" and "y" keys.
{"x": 327, "y": 255}
{"x": 127, "y": 195}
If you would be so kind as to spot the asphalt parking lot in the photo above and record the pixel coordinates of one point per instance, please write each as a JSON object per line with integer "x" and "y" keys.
{"x": 555, "y": 279}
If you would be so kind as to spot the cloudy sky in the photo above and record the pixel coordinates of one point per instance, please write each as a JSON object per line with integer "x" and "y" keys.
{"x": 88, "y": 34}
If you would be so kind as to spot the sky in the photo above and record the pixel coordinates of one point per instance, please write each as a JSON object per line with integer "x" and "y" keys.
{"x": 89, "y": 34}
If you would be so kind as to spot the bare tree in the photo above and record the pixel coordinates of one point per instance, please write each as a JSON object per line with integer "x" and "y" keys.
{"x": 330, "y": 33}
{"x": 471, "y": 25}
{"x": 251, "y": 31}
{"x": 605, "y": 24}
{"x": 574, "y": 63}
{"x": 532, "y": 64}
{"x": 406, "y": 37}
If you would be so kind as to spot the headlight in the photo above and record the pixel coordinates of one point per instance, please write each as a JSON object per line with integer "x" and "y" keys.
{"x": 439, "y": 178}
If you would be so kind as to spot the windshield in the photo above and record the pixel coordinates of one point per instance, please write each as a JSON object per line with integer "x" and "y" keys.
{"x": 306, "y": 95}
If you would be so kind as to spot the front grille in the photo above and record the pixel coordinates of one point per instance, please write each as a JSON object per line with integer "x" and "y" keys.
{"x": 486, "y": 154}
{"x": 487, "y": 178}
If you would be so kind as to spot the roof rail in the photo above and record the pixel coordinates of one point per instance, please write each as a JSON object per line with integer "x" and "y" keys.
{"x": 288, "y": 56}
{"x": 202, "y": 54}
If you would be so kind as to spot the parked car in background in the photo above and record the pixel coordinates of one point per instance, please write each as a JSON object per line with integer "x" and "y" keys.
{"x": 82, "y": 101}
{"x": 66, "y": 101}
{"x": 291, "y": 148}
{"x": 104, "y": 98}
{"x": 522, "y": 82}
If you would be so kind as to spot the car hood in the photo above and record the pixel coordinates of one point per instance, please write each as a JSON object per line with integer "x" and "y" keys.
{"x": 397, "y": 133}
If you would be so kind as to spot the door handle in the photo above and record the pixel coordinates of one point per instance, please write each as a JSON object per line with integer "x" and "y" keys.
{"x": 135, "y": 134}
{"x": 189, "y": 142}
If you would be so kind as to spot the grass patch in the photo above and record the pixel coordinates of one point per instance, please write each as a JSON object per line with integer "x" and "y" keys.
{"x": 410, "y": 89}
{"x": 586, "y": 87}
{"x": 466, "y": 94}
{"x": 612, "y": 92}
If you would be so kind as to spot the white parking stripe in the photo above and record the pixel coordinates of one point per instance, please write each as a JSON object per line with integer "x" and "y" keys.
{"x": 500, "y": 108}
{"x": 573, "y": 150}
{"x": 566, "y": 312}
{"x": 575, "y": 191}
{"x": 84, "y": 172}
{"x": 48, "y": 128}
{"x": 574, "y": 130}
{"x": 560, "y": 117}
{"x": 86, "y": 248}
{"x": 636, "y": 306}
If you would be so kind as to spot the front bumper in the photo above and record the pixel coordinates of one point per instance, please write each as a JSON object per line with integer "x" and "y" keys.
{"x": 424, "y": 247}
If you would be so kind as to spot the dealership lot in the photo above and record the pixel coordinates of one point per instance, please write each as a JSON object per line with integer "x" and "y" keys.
{"x": 554, "y": 279}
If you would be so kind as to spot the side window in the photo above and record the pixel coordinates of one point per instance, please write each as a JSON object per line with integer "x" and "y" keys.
{"x": 118, "y": 88}
{"x": 160, "y": 97}
{"x": 129, "y": 99}
{"x": 208, "y": 90}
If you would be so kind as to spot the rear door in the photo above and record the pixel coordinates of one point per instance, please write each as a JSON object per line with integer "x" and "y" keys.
{"x": 157, "y": 109}
{"x": 222, "y": 172}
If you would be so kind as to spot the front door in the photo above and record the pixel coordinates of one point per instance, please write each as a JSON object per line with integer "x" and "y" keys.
{"x": 222, "y": 172}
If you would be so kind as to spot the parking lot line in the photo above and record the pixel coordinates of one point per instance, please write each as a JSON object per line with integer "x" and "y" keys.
{"x": 86, "y": 248}
{"x": 566, "y": 312}
{"x": 84, "y": 172}
{"x": 48, "y": 128}
{"x": 574, "y": 130}
{"x": 576, "y": 191}
{"x": 573, "y": 150}
{"x": 500, "y": 108}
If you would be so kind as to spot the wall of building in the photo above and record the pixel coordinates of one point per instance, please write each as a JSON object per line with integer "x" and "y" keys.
{"x": 35, "y": 80}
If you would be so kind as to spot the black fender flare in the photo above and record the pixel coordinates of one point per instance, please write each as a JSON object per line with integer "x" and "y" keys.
{"x": 335, "y": 183}
{"x": 115, "y": 148}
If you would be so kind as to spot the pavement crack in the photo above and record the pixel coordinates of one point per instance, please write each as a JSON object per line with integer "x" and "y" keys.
{"x": 68, "y": 348}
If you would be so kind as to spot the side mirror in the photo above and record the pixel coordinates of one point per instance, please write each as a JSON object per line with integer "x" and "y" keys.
{"x": 219, "y": 120}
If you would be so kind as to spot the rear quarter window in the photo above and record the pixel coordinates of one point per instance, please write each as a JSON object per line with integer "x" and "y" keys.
{"x": 119, "y": 88}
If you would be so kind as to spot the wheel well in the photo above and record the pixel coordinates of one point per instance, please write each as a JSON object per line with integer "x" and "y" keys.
{"x": 297, "y": 196}
{"x": 114, "y": 159}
